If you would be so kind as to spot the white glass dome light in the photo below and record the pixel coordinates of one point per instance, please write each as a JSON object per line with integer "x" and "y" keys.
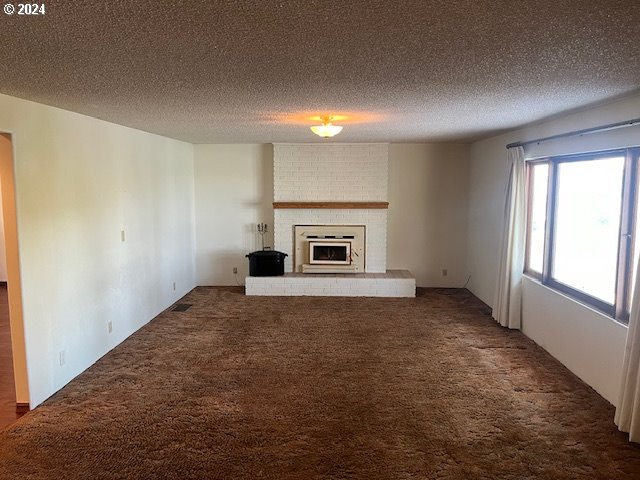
{"x": 326, "y": 130}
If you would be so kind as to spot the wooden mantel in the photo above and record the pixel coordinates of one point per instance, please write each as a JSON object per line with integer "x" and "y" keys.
{"x": 336, "y": 205}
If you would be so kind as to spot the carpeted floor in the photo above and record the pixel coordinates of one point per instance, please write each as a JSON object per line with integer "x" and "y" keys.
{"x": 322, "y": 388}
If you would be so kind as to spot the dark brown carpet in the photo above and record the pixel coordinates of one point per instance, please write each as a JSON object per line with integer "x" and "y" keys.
{"x": 322, "y": 388}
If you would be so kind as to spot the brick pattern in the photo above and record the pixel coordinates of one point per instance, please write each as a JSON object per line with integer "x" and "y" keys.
{"x": 308, "y": 173}
{"x": 394, "y": 283}
{"x": 342, "y": 172}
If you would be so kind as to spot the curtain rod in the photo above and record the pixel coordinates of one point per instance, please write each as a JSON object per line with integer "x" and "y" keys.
{"x": 576, "y": 133}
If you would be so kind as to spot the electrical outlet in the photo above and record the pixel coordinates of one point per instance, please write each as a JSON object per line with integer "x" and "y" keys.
{"x": 63, "y": 358}
{"x": 122, "y": 235}
{"x": 110, "y": 326}
{"x": 235, "y": 269}
{"x": 444, "y": 272}
{"x": 174, "y": 286}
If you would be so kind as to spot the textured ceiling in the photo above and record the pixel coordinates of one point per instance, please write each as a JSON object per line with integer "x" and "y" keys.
{"x": 255, "y": 71}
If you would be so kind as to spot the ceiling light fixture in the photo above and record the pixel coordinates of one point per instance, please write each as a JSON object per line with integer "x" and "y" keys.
{"x": 326, "y": 130}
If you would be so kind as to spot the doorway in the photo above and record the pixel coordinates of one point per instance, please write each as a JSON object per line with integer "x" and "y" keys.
{"x": 14, "y": 393}
{"x": 8, "y": 411}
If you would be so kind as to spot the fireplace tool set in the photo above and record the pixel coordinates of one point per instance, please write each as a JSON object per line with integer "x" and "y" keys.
{"x": 262, "y": 230}
{"x": 265, "y": 263}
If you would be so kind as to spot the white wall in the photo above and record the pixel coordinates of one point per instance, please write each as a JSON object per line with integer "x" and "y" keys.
{"x": 589, "y": 343}
{"x": 569, "y": 331}
{"x": 233, "y": 192}
{"x": 428, "y": 206}
{"x": 79, "y": 182}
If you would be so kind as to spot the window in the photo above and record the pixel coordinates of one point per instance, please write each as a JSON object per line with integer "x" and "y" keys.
{"x": 581, "y": 222}
{"x": 539, "y": 177}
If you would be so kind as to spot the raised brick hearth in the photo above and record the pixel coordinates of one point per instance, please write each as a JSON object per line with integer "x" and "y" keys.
{"x": 393, "y": 283}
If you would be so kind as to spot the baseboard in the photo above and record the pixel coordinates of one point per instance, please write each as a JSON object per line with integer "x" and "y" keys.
{"x": 22, "y": 408}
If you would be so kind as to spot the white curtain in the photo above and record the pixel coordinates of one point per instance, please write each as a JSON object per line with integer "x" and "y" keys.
{"x": 628, "y": 412}
{"x": 507, "y": 302}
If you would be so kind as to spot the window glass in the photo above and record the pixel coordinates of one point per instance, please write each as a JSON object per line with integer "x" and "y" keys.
{"x": 538, "y": 211}
{"x": 587, "y": 225}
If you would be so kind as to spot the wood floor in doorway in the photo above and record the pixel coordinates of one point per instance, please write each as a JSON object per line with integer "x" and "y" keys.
{"x": 8, "y": 413}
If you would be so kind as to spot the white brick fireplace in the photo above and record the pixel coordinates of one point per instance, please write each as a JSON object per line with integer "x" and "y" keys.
{"x": 338, "y": 185}
{"x": 332, "y": 173}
